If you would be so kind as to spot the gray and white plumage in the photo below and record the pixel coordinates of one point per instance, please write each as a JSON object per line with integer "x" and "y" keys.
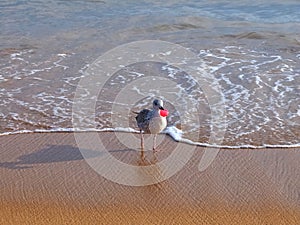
{"x": 151, "y": 122}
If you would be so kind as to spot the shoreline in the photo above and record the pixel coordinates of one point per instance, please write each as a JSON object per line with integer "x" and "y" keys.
{"x": 45, "y": 179}
{"x": 174, "y": 138}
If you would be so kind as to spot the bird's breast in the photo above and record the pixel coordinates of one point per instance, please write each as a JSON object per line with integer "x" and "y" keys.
{"x": 157, "y": 124}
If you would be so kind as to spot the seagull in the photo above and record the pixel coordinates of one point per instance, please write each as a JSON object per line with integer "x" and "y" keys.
{"x": 152, "y": 121}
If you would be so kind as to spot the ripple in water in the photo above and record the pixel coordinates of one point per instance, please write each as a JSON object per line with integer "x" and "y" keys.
{"x": 261, "y": 94}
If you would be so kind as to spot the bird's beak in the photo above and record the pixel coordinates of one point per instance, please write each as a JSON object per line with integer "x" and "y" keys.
{"x": 161, "y": 108}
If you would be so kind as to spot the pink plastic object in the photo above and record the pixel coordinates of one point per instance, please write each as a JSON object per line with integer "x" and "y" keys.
{"x": 164, "y": 113}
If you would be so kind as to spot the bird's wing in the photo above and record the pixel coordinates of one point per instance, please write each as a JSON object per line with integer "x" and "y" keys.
{"x": 143, "y": 118}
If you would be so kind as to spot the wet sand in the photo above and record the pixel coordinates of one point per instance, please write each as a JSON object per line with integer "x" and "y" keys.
{"x": 45, "y": 180}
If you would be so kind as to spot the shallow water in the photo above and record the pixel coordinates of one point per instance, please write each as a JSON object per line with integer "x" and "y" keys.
{"x": 251, "y": 48}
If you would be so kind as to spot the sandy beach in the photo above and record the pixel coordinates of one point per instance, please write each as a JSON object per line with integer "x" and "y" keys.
{"x": 228, "y": 73}
{"x": 45, "y": 180}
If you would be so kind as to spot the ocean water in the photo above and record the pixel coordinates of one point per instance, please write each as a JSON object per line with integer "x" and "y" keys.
{"x": 252, "y": 49}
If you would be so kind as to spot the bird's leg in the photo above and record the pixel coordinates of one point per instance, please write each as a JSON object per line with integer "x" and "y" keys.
{"x": 142, "y": 140}
{"x": 142, "y": 145}
{"x": 154, "y": 142}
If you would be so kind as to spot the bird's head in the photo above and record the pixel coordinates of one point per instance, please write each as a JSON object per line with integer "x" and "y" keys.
{"x": 158, "y": 104}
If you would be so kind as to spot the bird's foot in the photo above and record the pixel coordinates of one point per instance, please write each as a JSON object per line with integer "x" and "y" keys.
{"x": 155, "y": 150}
{"x": 142, "y": 157}
{"x": 154, "y": 159}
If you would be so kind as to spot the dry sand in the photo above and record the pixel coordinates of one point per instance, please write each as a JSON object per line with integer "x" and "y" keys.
{"x": 45, "y": 180}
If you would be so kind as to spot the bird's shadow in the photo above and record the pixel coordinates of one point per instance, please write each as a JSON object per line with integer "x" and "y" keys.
{"x": 53, "y": 154}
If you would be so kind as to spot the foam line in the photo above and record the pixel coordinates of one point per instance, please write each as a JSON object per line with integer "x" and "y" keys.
{"x": 173, "y": 132}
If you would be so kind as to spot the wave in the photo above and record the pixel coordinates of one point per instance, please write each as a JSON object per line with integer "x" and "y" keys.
{"x": 172, "y": 131}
